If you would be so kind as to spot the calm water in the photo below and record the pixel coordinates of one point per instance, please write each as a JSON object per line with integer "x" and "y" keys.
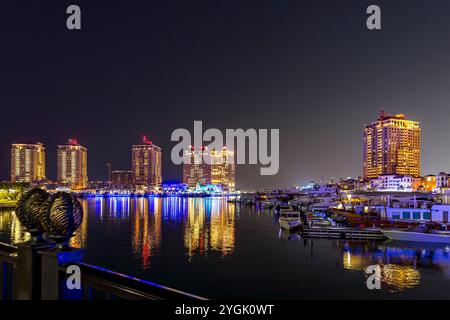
{"x": 220, "y": 250}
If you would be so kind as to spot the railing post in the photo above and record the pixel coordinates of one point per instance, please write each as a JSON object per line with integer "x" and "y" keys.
{"x": 28, "y": 278}
{"x": 51, "y": 278}
{"x": 52, "y": 260}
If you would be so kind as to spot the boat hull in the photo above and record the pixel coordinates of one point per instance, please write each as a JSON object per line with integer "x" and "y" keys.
{"x": 416, "y": 236}
{"x": 290, "y": 225}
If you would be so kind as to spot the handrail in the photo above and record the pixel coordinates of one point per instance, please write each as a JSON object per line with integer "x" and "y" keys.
{"x": 110, "y": 282}
{"x": 8, "y": 253}
{"x": 7, "y": 247}
{"x": 128, "y": 287}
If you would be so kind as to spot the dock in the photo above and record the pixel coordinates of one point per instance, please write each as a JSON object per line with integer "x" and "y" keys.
{"x": 342, "y": 233}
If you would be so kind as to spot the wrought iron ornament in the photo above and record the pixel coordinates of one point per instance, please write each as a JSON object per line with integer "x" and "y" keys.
{"x": 59, "y": 215}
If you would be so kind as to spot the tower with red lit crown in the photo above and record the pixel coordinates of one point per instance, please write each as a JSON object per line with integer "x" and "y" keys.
{"x": 146, "y": 164}
{"x": 72, "y": 165}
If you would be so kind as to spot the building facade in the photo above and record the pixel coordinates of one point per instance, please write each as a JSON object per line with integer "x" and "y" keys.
{"x": 195, "y": 169}
{"x": 442, "y": 181}
{"x": 392, "y": 146}
{"x": 27, "y": 162}
{"x": 146, "y": 164}
{"x": 122, "y": 178}
{"x": 209, "y": 167}
{"x": 223, "y": 169}
{"x": 72, "y": 165}
{"x": 392, "y": 183}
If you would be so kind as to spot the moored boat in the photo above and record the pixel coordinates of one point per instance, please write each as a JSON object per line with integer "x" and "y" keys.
{"x": 289, "y": 218}
{"x": 414, "y": 236}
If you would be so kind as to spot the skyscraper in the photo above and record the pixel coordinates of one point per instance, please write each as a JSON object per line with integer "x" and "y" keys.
{"x": 146, "y": 164}
{"x": 392, "y": 146}
{"x": 197, "y": 171}
{"x": 218, "y": 170}
{"x": 223, "y": 168}
{"x": 72, "y": 165}
{"x": 27, "y": 162}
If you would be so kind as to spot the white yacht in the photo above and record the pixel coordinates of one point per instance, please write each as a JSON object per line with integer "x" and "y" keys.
{"x": 289, "y": 218}
{"x": 435, "y": 236}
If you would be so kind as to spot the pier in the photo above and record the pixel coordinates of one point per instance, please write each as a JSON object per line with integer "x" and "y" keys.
{"x": 342, "y": 233}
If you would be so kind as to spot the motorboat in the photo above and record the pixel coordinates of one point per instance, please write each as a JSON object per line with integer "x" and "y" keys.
{"x": 321, "y": 222}
{"x": 289, "y": 218}
{"x": 417, "y": 235}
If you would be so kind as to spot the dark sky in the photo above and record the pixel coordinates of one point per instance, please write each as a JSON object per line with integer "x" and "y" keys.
{"x": 309, "y": 68}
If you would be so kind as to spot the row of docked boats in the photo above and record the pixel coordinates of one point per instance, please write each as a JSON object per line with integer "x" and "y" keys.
{"x": 290, "y": 218}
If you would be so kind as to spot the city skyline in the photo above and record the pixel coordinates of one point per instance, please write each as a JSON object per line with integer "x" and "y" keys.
{"x": 199, "y": 154}
{"x": 313, "y": 70}
{"x": 203, "y": 173}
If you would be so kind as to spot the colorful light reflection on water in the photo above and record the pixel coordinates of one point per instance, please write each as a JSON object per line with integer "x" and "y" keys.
{"x": 219, "y": 249}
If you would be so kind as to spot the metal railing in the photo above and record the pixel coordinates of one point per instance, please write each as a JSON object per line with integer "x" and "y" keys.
{"x": 8, "y": 264}
{"x": 97, "y": 283}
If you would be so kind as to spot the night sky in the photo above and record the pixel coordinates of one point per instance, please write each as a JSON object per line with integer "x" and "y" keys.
{"x": 309, "y": 68}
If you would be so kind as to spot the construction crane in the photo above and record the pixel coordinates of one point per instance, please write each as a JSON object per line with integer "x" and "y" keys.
{"x": 109, "y": 165}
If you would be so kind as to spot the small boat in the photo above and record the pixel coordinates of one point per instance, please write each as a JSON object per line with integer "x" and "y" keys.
{"x": 434, "y": 236}
{"x": 267, "y": 204}
{"x": 321, "y": 223}
{"x": 289, "y": 218}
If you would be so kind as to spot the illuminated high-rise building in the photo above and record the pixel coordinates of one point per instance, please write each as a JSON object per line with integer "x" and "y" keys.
{"x": 197, "y": 170}
{"x": 122, "y": 178}
{"x": 223, "y": 168}
{"x": 146, "y": 164}
{"x": 72, "y": 165}
{"x": 206, "y": 166}
{"x": 27, "y": 162}
{"x": 392, "y": 146}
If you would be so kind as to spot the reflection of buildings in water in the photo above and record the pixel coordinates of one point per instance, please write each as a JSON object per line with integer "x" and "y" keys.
{"x": 5, "y": 220}
{"x": 10, "y": 224}
{"x": 400, "y": 277}
{"x": 174, "y": 209}
{"x": 222, "y": 227}
{"x": 355, "y": 262}
{"x": 117, "y": 208}
{"x": 113, "y": 209}
{"x": 81, "y": 235}
{"x": 400, "y": 264}
{"x": 146, "y": 228}
{"x": 195, "y": 233}
{"x": 431, "y": 257}
{"x": 217, "y": 235}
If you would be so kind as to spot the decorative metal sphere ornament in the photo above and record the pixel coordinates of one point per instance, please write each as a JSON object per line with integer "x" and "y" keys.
{"x": 29, "y": 211}
{"x": 62, "y": 218}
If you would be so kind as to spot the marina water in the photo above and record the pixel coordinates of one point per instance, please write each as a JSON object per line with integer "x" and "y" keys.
{"x": 217, "y": 249}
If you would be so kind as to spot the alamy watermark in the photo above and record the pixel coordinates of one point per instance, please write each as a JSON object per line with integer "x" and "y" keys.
{"x": 73, "y": 281}
{"x": 373, "y": 281}
{"x": 256, "y": 142}
{"x": 73, "y": 21}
